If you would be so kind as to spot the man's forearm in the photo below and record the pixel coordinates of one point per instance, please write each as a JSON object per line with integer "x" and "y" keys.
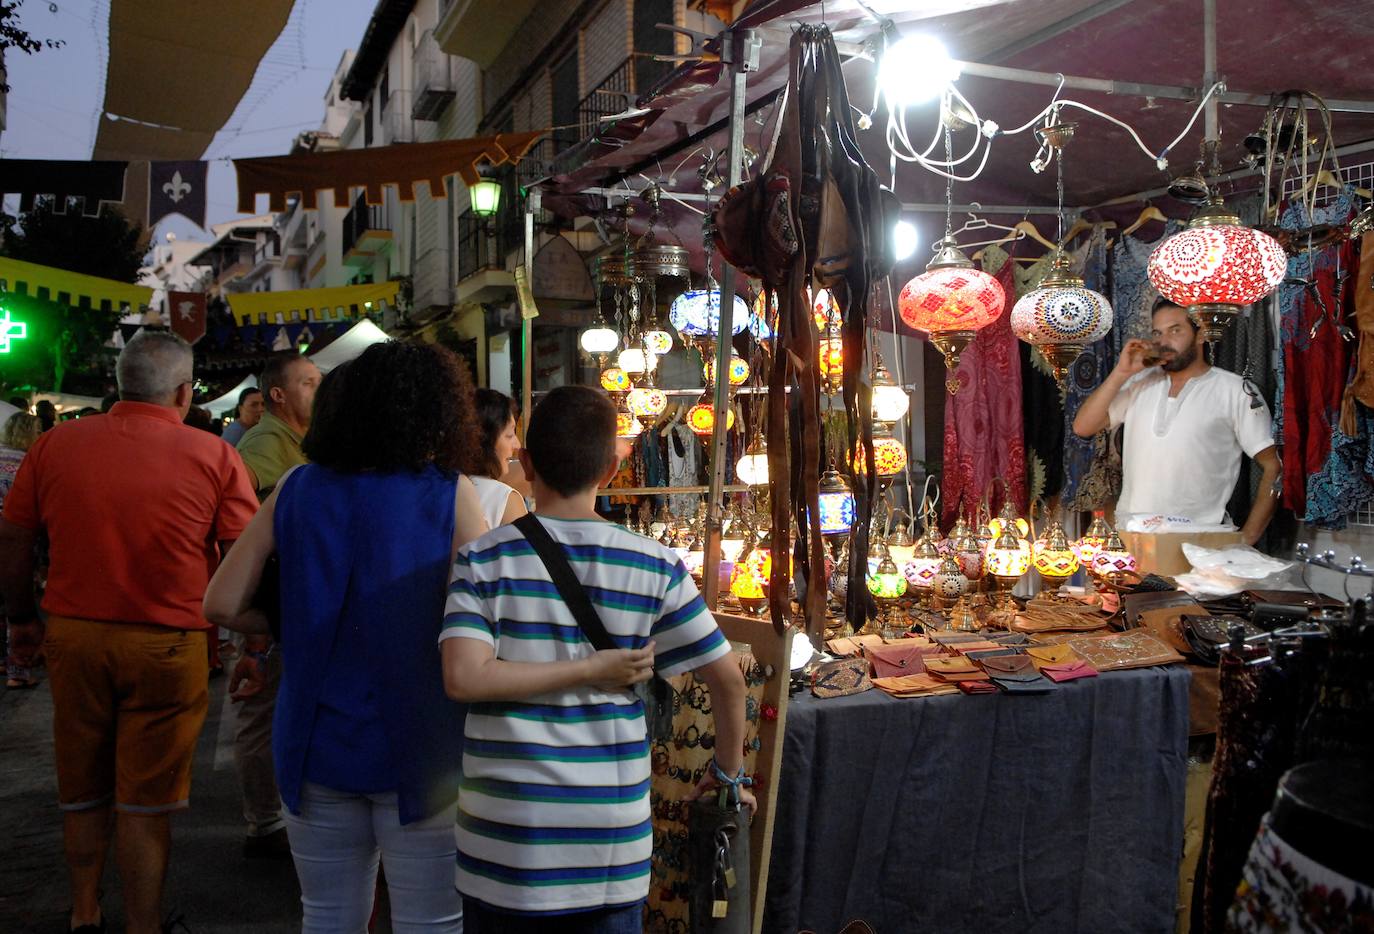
{"x": 1266, "y": 501}
{"x": 1095, "y": 412}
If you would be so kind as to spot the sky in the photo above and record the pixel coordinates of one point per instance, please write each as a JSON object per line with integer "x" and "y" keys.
{"x": 56, "y": 94}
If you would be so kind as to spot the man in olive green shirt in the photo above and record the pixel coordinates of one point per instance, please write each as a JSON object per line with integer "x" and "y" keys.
{"x": 269, "y": 449}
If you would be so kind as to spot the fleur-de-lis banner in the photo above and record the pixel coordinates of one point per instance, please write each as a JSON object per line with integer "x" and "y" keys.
{"x": 186, "y": 314}
{"x": 176, "y": 188}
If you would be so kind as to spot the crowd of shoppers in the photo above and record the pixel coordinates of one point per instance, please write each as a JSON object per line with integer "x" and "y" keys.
{"x": 411, "y": 692}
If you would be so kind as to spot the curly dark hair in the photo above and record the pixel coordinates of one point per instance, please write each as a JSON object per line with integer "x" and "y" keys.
{"x": 399, "y": 406}
{"x": 494, "y": 412}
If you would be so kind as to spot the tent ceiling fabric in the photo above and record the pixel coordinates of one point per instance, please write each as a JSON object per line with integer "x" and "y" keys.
{"x": 1263, "y": 47}
{"x": 182, "y": 65}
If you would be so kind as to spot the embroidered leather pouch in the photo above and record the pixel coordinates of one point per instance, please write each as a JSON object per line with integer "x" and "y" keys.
{"x": 841, "y": 678}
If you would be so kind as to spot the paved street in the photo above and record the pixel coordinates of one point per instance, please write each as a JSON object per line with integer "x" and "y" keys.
{"x": 217, "y": 890}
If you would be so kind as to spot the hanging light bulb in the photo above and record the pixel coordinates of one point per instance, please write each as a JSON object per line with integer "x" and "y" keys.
{"x": 889, "y": 455}
{"x": 905, "y": 240}
{"x": 1061, "y": 317}
{"x": 738, "y": 373}
{"x": 599, "y": 338}
{"x": 696, "y": 313}
{"x": 890, "y": 401}
{"x": 636, "y": 361}
{"x": 752, "y": 468}
{"x": 647, "y": 401}
{"x": 824, "y": 309}
{"x": 831, "y": 363}
{"x": 836, "y": 504}
{"x": 915, "y": 69}
{"x": 951, "y": 301}
{"x": 1216, "y": 266}
{"x": 615, "y": 379}
{"x": 701, "y": 418}
{"x": 658, "y": 341}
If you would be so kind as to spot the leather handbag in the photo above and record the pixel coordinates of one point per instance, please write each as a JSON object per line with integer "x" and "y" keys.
{"x": 1207, "y": 634}
{"x": 841, "y": 678}
{"x": 1010, "y": 668}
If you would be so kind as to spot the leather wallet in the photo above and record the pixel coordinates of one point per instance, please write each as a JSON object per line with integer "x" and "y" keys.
{"x": 892, "y": 661}
{"x": 1010, "y": 668}
{"x": 920, "y": 685}
{"x": 1037, "y": 686}
{"x": 1010, "y": 638}
{"x": 982, "y": 645}
{"x": 955, "y": 638}
{"x": 990, "y": 653}
{"x": 840, "y": 678}
{"x": 978, "y": 687}
{"x": 1042, "y": 655}
{"x": 949, "y": 664}
{"x": 852, "y": 645}
{"x": 1068, "y": 671}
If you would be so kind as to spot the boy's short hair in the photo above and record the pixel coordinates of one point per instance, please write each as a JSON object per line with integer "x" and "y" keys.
{"x": 571, "y": 438}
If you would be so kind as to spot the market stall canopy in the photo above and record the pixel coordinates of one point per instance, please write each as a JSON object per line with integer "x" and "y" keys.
{"x": 1262, "y": 47}
{"x": 177, "y": 69}
{"x": 349, "y": 345}
{"x": 345, "y": 301}
{"x": 228, "y": 401}
{"x": 306, "y": 174}
{"x": 70, "y": 288}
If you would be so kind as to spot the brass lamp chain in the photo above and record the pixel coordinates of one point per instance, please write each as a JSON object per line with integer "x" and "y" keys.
{"x": 1059, "y": 189}
{"x": 949, "y": 184}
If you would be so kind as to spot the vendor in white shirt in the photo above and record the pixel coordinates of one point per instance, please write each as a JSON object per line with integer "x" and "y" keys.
{"x": 1187, "y": 424}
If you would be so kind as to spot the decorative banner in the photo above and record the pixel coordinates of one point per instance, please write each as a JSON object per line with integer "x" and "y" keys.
{"x": 70, "y": 288}
{"x": 345, "y": 301}
{"x": 186, "y": 314}
{"x": 176, "y": 188}
{"x": 95, "y": 182}
{"x": 306, "y": 174}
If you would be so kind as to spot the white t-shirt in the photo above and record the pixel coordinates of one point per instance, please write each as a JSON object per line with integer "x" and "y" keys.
{"x": 494, "y": 497}
{"x": 1181, "y": 456}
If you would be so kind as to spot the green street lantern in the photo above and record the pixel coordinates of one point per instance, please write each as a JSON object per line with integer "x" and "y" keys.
{"x": 485, "y": 196}
{"x": 10, "y": 330}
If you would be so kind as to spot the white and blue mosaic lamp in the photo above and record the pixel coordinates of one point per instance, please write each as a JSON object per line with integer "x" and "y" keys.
{"x": 1061, "y": 317}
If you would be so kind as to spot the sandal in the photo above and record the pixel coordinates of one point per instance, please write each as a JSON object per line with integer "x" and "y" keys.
{"x": 20, "y": 684}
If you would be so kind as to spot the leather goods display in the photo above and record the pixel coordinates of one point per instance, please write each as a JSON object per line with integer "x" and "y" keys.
{"x": 841, "y": 678}
{"x": 1206, "y": 635}
{"x": 1010, "y": 668}
{"x": 1167, "y": 623}
{"x": 978, "y": 687}
{"x": 1136, "y": 648}
{"x": 1050, "y": 654}
{"x": 991, "y": 653}
{"x": 814, "y": 215}
{"x": 892, "y": 661}
{"x": 1045, "y": 617}
{"x": 920, "y": 685}
{"x": 1068, "y": 671}
{"x": 852, "y": 645}
{"x": 982, "y": 645}
{"x": 955, "y": 669}
{"x": 1134, "y": 604}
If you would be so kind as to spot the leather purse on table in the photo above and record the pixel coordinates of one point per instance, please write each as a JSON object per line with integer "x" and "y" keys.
{"x": 1068, "y": 671}
{"x": 1016, "y": 675}
{"x": 841, "y": 678}
{"x": 955, "y": 668}
{"x": 1206, "y": 635}
{"x": 892, "y": 661}
{"x": 1136, "y": 648}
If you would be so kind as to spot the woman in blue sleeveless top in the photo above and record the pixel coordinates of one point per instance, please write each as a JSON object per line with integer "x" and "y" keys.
{"x": 367, "y": 746}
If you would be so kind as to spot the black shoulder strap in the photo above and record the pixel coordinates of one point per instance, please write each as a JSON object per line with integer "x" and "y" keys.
{"x": 569, "y": 587}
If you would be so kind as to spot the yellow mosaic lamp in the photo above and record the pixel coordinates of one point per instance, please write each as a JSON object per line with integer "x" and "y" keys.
{"x": 1053, "y": 558}
{"x": 1008, "y": 560}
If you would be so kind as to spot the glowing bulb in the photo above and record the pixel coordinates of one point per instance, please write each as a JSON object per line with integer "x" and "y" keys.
{"x": 915, "y": 69}
{"x": 635, "y": 361}
{"x": 599, "y": 340}
{"x": 904, "y": 240}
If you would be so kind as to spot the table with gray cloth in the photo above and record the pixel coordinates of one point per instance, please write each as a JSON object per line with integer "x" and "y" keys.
{"x": 991, "y": 813}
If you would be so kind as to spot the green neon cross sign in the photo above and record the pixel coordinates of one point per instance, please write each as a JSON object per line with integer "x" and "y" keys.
{"x": 10, "y": 330}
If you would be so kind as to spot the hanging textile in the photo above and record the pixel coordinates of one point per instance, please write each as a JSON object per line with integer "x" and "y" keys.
{"x": 1133, "y": 297}
{"x": 684, "y": 467}
{"x": 344, "y": 301}
{"x": 1042, "y": 403}
{"x": 96, "y": 183}
{"x": 1314, "y": 365}
{"x": 1086, "y": 374}
{"x": 983, "y": 431}
{"x": 306, "y": 174}
{"x": 177, "y": 188}
{"x": 70, "y": 288}
{"x": 1361, "y": 388}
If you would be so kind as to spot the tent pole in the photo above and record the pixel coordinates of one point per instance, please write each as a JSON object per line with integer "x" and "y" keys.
{"x": 532, "y": 204}
{"x": 1209, "y": 67}
{"x": 739, "y": 50}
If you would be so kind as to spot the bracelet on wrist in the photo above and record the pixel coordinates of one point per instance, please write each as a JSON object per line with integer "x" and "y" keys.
{"x": 720, "y": 775}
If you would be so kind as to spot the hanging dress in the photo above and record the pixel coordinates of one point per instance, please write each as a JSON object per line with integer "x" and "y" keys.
{"x": 1315, "y": 362}
{"x": 1086, "y": 374}
{"x": 983, "y": 433}
{"x": 1042, "y": 403}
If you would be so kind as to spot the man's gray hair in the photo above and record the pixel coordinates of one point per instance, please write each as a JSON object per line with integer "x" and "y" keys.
{"x": 152, "y": 366}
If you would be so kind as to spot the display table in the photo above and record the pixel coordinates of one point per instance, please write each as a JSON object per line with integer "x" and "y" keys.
{"x": 993, "y": 813}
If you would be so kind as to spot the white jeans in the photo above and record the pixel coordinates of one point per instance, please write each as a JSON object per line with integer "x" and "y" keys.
{"x": 336, "y": 841}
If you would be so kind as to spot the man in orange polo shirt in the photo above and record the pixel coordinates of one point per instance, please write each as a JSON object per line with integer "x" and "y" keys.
{"x": 138, "y": 509}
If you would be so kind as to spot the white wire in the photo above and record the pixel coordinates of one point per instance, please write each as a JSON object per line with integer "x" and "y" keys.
{"x": 1216, "y": 86}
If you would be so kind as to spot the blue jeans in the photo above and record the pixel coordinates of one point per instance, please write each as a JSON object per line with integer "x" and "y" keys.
{"x": 479, "y": 919}
{"x": 336, "y": 842}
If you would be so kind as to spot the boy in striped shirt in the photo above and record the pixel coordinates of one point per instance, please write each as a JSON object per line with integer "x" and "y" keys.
{"x": 553, "y": 813}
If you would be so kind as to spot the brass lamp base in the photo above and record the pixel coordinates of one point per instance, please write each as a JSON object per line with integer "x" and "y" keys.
{"x": 1002, "y": 588}
{"x": 951, "y": 344}
{"x": 1049, "y": 588}
{"x": 1212, "y": 319}
{"x": 1060, "y": 357}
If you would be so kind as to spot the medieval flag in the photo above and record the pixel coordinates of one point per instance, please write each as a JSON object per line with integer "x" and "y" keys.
{"x": 186, "y": 314}
{"x": 176, "y": 188}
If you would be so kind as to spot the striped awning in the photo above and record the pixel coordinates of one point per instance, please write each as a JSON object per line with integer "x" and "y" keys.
{"x": 70, "y": 288}
{"x": 336, "y": 304}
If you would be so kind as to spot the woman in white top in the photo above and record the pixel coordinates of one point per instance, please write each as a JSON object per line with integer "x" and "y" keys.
{"x": 496, "y": 414}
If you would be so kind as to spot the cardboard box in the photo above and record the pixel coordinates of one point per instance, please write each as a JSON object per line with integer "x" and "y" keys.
{"x": 1162, "y": 552}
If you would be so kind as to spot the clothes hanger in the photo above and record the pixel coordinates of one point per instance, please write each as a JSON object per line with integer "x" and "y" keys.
{"x": 1151, "y": 213}
{"x": 1017, "y": 235}
{"x": 677, "y": 416}
{"x": 1080, "y": 226}
{"x": 1331, "y": 179}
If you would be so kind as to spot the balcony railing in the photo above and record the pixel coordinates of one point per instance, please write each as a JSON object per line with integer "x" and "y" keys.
{"x": 362, "y": 219}
{"x": 433, "y": 79}
{"x": 398, "y": 122}
{"x": 482, "y": 244}
{"x": 618, "y": 91}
